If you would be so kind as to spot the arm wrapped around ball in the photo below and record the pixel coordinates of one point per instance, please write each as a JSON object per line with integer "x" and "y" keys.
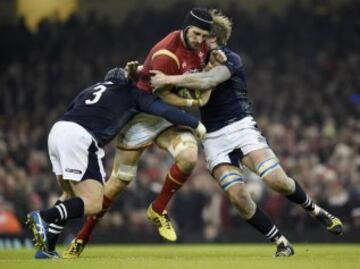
{"x": 195, "y": 97}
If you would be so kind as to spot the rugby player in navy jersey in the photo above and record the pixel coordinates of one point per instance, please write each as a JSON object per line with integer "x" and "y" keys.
{"x": 233, "y": 140}
{"x": 75, "y": 144}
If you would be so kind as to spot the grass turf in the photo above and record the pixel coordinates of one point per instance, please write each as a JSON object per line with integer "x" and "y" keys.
{"x": 240, "y": 256}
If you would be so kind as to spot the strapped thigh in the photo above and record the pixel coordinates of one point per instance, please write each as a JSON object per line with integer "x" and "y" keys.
{"x": 230, "y": 178}
{"x": 265, "y": 167}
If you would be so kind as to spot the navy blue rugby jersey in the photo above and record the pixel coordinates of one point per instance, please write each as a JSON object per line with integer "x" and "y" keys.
{"x": 229, "y": 101}
{"x": 104, "y": 108}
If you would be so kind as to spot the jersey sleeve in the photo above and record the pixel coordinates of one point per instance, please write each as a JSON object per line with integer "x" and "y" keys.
{"x": 234, "y": 63}
{"x": 148, "y": 103}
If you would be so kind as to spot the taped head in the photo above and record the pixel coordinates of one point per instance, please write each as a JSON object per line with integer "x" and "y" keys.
{"x": 199, "y": 17}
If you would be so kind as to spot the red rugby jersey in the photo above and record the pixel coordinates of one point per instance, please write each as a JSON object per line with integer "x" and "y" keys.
{"x": 171, "y": 57}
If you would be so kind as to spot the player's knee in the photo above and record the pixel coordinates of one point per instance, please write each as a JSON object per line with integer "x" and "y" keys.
{"x": 280, "y": 182}
{"x": 92, "y": 204}
{"x": 241, "y": 199}
{"x": 188, "y": 158}
{"x": 184, "y": 148}
{"x": 239, "y": 195}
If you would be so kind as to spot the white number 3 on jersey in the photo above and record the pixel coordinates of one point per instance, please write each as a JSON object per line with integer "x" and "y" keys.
{"x": 97, "y": 95}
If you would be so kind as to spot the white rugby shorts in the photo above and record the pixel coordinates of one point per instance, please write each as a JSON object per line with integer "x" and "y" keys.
{"x": 230, "y": 143}
{"x": 141, "y": 131}
{"x": 74, "y": 153}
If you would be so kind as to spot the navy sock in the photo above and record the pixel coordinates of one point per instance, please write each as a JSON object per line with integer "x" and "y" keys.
{"x": 261, "y": 222}
{"x": 55, "y": 230}
{"x": 70, "y": 209}
{"x": 300, "y": 197}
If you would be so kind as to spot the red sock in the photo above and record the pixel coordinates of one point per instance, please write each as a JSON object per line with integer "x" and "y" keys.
{"x": 174, "y": 180}
{"x": 91, "y": 221}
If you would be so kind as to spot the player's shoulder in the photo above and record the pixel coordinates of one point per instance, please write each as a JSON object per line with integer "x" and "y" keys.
{"x": 166, "y": 50}
{"x": 170, "y": 42}
{"x": 232, "y": 56}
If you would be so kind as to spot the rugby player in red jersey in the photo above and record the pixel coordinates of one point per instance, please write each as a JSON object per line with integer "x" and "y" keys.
{"x": 182, "y": 51}
{"x": 234, "y": 141}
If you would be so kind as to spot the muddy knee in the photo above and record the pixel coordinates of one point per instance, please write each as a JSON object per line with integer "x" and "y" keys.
{"x": 184, "y": 149}
{"x": 278, "y": 181}
{"x": 241, "y": 199}
{"x": 187, "y": 159}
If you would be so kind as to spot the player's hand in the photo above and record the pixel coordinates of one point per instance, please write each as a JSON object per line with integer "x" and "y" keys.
{"x": 158, "y": 79}
{"x": 131, "y": 68}
{"x": 217, "y": 57}
{"x": 200, "y": 131}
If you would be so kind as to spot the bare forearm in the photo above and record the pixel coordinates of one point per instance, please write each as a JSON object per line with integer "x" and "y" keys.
{"x": 202, "y": 80}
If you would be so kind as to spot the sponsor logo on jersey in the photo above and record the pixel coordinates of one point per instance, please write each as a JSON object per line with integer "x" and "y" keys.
{"x": 73, "y": 171}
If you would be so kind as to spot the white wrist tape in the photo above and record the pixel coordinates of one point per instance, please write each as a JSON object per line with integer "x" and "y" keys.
{"x": 189, "y": 102}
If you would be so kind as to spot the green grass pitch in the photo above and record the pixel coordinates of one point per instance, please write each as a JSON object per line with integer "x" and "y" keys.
{"x": 211, "y": 256}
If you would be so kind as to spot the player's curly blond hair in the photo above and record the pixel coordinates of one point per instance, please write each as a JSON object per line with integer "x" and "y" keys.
{"x": 222, "y": 26}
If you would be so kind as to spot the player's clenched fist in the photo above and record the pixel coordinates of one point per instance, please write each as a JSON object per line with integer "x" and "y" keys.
{"x": 200, "y": 131}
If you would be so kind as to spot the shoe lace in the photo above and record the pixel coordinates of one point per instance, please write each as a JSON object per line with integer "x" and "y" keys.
{"x": 163, "y": 221}
{"x": 167, "y": 221}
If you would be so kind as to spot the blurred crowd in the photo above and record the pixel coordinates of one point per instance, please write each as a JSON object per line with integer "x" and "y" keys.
{"x": 303, "y": 79}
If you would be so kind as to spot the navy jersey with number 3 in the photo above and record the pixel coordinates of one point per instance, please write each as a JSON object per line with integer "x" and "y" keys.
{"x": 104, "y": 108}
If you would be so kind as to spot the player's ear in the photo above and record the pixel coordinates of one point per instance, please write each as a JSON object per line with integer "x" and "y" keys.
{"x": 212, "y": 42}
